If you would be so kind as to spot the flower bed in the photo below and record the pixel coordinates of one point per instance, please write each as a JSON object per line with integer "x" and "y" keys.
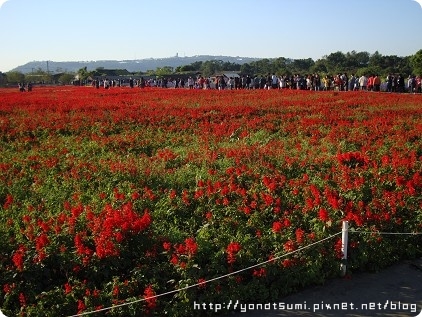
{"x": 113, "y": 196}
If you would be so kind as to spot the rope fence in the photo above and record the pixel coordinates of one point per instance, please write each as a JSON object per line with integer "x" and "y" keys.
{"x": 344, "y": 237}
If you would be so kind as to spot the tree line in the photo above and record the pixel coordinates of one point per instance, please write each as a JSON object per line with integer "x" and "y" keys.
{"x": 358, "y": 63}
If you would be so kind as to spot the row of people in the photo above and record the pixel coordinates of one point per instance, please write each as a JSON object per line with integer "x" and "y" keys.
{"x": 341, "y": 82}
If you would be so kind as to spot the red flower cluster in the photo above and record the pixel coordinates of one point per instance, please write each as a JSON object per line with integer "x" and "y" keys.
{"x": 180, "y": 252}
{"x": 232, "y": 250}
{"x": 149, "y": 295}
{"x": 280, "y": 225}
{"x": 112, "y": 226}
{"x": 352, "y": 159}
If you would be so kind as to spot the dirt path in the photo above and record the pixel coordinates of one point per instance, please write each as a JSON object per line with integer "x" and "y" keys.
{"x": 395, "y": 291}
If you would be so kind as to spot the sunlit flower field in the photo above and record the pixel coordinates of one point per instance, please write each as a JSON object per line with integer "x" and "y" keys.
{"x": 113, "y": 196}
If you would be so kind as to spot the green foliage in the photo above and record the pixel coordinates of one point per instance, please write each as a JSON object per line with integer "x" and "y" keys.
{"x": 337, "y": 62}
{"x": 66, "y": 78}
{"x": 15, "y": 77}
{"x": 83, "y": 73}
{"x": 164, "y": 71}
{"x": 416, "y": 62}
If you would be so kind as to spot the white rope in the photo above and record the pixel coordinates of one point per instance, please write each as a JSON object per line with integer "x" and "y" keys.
{"x": 387, "y": 233}
{"x": 205, "y": 282}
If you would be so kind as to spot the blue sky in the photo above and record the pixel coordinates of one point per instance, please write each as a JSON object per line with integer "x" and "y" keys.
{"x": 79, "y": 30}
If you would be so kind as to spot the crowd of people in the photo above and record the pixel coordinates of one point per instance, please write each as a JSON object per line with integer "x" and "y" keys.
{"x": 339, "y": 82}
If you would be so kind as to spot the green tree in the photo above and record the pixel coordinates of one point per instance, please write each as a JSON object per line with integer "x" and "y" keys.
{"x": 184, "y": 68}
{"x": 362, "y": 58}
{"x": 247, "y": 69}
{"x": 211, "y": 67}
{"x": 83, "y": 74}
{"x": 164, "y": 71}
{"x": 233, "y": 67}
{"x": 336, "y": 62}
{"x": 263, "y": 66}
{"x": 319, "y": 67}
{"x": 369, "y": 71}
{"x": 15, "y": 77}
{"x": 302, "y": 66}
{"x": 416, "y": 63}
{"x": 38, "y": 76}
{"x": 355, "y": 60}
{"x": 376, "y": 60}
{"x": 66, "y": 78}
{"x": 280, "y": 66}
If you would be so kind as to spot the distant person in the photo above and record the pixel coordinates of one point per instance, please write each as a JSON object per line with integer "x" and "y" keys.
{"x": 282, "y": 82}
{"x": 317, "y": 82}
{"x": 262, "y": 82}
{"x": 327, "y": 83}
{"x": 400, "y": 83}
{"x": 243, "y": 82}
{"x": 363, "y": 82}
{"x": 352, "y": 82}
{"x": 390, "y": 80}
{"x": 21, "y": 87}
{"x": 29, "y": 87}
{"x": 142, "y": 82}
{"x": 230, "y": 83}
{"x": 309, "y": 82}
{"x": 371, "y": 82}
{"x": 249, "y": 82}
{"x": 377, "y": 83}
{"x": 190, "y": 82}
{"x": 106, "y": 84}
{"x": 344, "y": 82}
{"x": 268, "y": 83}
{"x": 274, "y": 81}
{"x": 221, "y": 83}
{"x": 412, "y": 84}
{"x": 338, "y": 82}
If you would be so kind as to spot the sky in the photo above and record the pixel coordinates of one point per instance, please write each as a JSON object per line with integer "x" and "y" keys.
{"x": 84, "y": 30}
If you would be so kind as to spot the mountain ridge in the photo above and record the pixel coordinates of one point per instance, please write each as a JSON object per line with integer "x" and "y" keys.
{"x": 135, "y": 65}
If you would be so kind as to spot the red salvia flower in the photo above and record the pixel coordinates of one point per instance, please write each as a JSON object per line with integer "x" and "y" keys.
{"x": 167, "y": 246}
{"x": 323, "y": 215}
{"x": 289, "y": 246}
{"x": 18, "y": 257}
{"x": 202, "y": 283}
{"x": 22, "y": 299}
{"x": 81, "y": 306}
{"x": 8, "y": 202}
{"x": 300, "y": 234}
{"x": 191, "y": 246}
{"x": 277, "y": 226}
{"x": 261, "y": 272}
{"x": 232, "y": 249}
{"x": 149, "y": 295}
{"x": 67, "y": 288}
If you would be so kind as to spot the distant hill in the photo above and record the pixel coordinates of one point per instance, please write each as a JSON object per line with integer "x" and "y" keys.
{"x": 138, "y": 65}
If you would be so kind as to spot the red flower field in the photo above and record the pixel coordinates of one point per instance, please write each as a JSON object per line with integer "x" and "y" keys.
{"x": 115, "y": 196}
